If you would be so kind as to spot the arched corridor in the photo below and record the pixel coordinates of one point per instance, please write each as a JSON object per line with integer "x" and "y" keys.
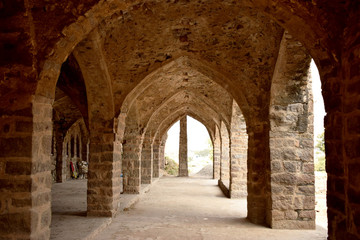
{"x": 99, "y": 83}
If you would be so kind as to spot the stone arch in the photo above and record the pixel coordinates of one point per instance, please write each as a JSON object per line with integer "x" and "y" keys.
{"x": 165, "y": 125}
{"x": 41, "y": 102}
{"x": 151, "y": 79}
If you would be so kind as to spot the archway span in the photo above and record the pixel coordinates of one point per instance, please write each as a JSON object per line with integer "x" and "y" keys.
{"x": 176, "y": 116}
{"x": 181, "y": 64}
{"x": 190, "y": 100}
{"x": 282, "y": 12}
{"x": 153, "y": 141}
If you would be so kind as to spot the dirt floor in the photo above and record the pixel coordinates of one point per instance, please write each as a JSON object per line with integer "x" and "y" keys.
{"x": 173, "y": 208}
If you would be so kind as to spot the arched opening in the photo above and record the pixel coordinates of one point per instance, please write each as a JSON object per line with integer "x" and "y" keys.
{"x": 172, "y": 150}
{"x": 319, "y": 149}
{"x": 70, "y": 110}
{"x": 330, "y": 54}
{"x": 200, "y": 149}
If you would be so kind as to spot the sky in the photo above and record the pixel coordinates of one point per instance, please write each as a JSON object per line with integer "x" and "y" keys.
{"x": 198, "y": 135}
{"x": 319, "y": 111}
{"x": 198, "y": 138}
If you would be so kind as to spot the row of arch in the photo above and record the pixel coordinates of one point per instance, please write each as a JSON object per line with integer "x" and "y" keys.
{"x": 108, "y": 132}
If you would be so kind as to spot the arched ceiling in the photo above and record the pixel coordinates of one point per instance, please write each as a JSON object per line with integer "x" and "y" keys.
{"x": 179, "y": 85}
{"x": 241, "y": 45}
{"x": 189, "y": 103}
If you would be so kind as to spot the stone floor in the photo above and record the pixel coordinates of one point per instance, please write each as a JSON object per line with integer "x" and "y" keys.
{"x": 174, "y": 208}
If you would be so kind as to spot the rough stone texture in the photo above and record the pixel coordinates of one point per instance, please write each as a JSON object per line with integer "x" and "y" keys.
{"x": 183, "y": 158}
{"x": 162, "y": 152}
{"x": 291, "y": 138}
{"x": 121, "y": 45}
{"x": 131, "y": 157}
{"x": 225, "y": 157}
{"x": 238, "y": 154}
{"x": 216, "y": 154}
{"x": 103, "y": 192}
{"x": 156, "y": 158}
{"x": 146, "y": 161}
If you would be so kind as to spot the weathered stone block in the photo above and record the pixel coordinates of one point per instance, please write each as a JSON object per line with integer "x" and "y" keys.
{"x": 23, "y": 147}
{"x": 290, "y": 215}
{"x": 18, "y": 168}
{"x": 284, "y": 178}
{"x": 307, "y": 215}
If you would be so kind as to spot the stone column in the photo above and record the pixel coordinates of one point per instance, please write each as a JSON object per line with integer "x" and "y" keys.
{"x": 183, "y": 163}
{"x": 238, "y": 156}
{"x": 224, "y": 181}
{"x": 59, "y": 142}
{"x": 131, "y": 162}
{"x": 258, "y": 180}
{"x": 156, "y": 162}
{"x": 25, "y": 170}
{"x": 162, "y": 151}
{"x": 291, "y": 139}
{"x": 216, "y": 154}
{"x": 146, "y": 161}
{"x": 104, "y": 173}
{"x": 225, "y": 157}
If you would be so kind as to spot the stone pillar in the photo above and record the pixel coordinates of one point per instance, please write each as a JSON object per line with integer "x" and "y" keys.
{"x": 162, "y": 151}
{"x": 25, "y": 173}
{"x": 103, "y": 192}
{"x": 258, "y": 180}
{"x": 225, "y": 157}
{"x": 238, "y": 156}
{"x": 59, "y": 142}
{"x": 216, "y": 154}
{"x": 146, "y": 161}
{"x": 131, "y": 162}
{"x": 156, "y": 162}
{"x": 183, "y": 163}
{"x": 291, "y": 140}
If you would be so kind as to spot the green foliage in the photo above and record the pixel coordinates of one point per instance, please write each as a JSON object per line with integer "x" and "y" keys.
{"x": 320, "y": 153}
{"x": 171, "y": 167}
{"x": 320, "y": 142}
{"x": 320, "y": 163}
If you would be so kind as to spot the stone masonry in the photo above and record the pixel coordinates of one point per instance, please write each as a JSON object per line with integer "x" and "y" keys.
{"x": 183, "y": 158}
{"x": 128, "y": 70}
